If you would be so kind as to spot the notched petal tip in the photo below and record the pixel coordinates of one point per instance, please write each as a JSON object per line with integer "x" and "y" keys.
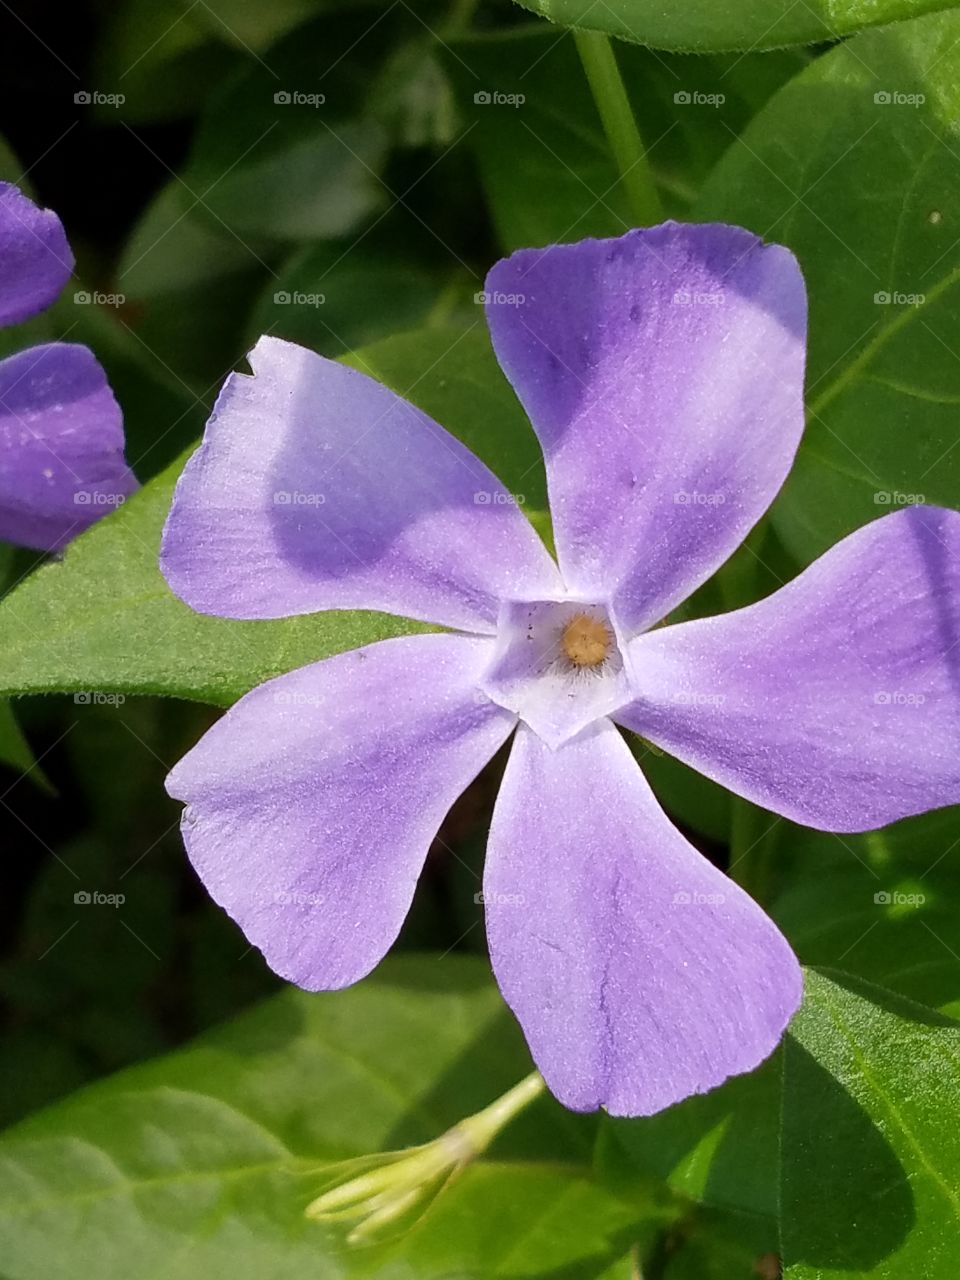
{"x": 285, "y": 508}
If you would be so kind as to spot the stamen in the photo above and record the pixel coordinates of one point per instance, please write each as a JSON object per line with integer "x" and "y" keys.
{"x": 586, "y": 641}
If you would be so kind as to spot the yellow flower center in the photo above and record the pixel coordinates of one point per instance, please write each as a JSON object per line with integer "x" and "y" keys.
{"x": 586, "y": 641}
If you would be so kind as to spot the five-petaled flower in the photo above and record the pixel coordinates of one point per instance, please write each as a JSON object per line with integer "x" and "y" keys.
{"x": 639, "y": 972}
{"x": 61, "y": 430}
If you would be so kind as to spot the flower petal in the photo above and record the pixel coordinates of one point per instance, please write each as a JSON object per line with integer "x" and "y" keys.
{"x": 35, "y": 259}
{"x": 318, "y": 488}
{"x": 61, "y": 446}
{"x": 639, "y": 972}
{"x": 835, "y": 701}
{"x": 663, "y": 373}
{"x": 312, "y": 803}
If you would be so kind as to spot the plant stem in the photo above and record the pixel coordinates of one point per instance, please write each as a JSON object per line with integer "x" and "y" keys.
{"x": 626, "y": 145}
{"x": 483, "y": 1127}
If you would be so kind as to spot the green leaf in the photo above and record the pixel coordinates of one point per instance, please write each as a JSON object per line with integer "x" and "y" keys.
{"x": 853, "y": 172}
{"x": 201, "y": 1164}
{"x": 532, "y": 123}
{"x": 870, "y": 1147}
{"x": 188, "y": 284}
{"x": 294, "y": 125}
{"x": 882, "y": 906}
{"x": 718, "y": 1149}
{"x": 104, "y": 619}
{"x": 704, "y": 26}
{"x": 334, "y": 300}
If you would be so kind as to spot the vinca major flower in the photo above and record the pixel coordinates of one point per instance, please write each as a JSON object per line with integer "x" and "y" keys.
{"x": 663, "y": 375}
{"x": 61, "y": 430}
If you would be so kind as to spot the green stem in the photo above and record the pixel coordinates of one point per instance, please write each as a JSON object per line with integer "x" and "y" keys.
{"x": 483, "y": 1127}
{"x": 606, "y": 85}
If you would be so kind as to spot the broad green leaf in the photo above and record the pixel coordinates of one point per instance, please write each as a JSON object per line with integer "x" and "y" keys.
{"x": 704, "y": 26}
{"x": 104, "y": 619}
{"x": 853, "y": 165}
{"x": 718, "y": 1149}
{"x": 200, "y": 1164}
{"x": 870, "y": 1146}
{"x": 531, "y": 122}
{"x": 884, "y": 906}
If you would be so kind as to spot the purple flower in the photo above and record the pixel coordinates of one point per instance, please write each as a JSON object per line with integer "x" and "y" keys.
{"x": 61, "y": 431}
{"x": 663, "y": 374}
